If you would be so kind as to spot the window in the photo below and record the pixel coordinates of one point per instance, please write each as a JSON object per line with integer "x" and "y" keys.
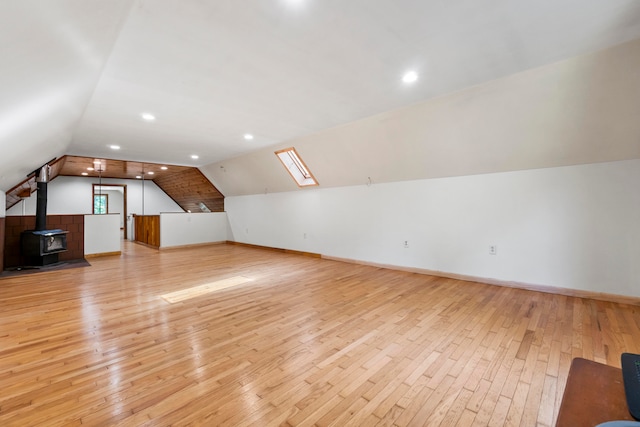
{"x": 296, "y": 167}
{"x": 100, "y": 204}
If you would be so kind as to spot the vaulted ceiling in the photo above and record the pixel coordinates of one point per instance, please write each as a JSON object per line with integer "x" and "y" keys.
{"x": 76, "y": 75}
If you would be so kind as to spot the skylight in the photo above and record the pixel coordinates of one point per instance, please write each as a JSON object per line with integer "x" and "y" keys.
{"x": 296, "y": 167}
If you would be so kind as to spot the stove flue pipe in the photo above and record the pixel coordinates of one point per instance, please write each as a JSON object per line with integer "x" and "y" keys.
{"x": 42, "y": 178}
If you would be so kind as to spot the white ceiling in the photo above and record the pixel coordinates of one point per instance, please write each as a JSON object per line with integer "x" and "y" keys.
{"x": 75, "y": 75}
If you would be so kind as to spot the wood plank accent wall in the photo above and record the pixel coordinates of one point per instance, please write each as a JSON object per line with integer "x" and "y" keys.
{"x": 14, "y": 225}
{"x": 186, "y": 185}
{"x": 28, "y": 186}
{"x": 188, "y": 188}
{"x": 120, "y": 169}
{"x": 147, "y": 229}
{"x": 2, "y": 225}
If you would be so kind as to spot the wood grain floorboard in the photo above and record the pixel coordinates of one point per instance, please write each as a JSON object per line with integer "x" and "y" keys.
{"x": 305, "y": 342}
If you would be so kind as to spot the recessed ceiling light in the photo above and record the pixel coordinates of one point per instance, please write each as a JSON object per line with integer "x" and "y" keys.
{"x": 138, "y": 177}
{"x": 195, "y": 156}
{"x": 150, "y": 172}
{"x": 84, "y": 173}
{"x": 164, "y": 168}
{"x": 248, "y": 136}
{"x": 148, "y": 117}
{"x": 114, "y": 147}
{"x": 89, "y": 169}
{"x": 294, "y": 3}
{"x": 410, "y": 77}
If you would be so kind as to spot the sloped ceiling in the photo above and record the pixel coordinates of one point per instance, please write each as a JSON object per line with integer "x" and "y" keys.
{"x": 77, "y": 75}
{"x": 52, "y": 54}
{"x": 577, "y": 111}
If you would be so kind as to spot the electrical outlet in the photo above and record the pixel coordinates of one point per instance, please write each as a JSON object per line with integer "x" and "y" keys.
{"x": 406, "y": 243}
{"x": 493, "y": 250}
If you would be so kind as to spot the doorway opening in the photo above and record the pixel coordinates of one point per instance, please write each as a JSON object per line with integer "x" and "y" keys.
{"x": 111, "y": 198}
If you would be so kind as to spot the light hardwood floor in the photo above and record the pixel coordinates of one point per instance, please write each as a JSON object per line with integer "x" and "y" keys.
{"x": 288, "y": 340}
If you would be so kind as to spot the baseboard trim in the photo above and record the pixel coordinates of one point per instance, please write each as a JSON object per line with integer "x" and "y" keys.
{"x": 145, "y": 244}
{"x": 578, "y": 293}
{"x": 601, "y": 296}
{"x": 101, "y": 254}
{"x": 192, "y": 245}
{"x": 270, "y": 248}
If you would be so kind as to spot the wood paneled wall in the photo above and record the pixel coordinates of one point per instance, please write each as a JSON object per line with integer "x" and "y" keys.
{"x": 14, "y": 225}
{"x": 188, "y": 188}
{"x": 147, "y": 229}
{"x": 186, "y": 185}
{"x": 2, "y": 225}
{"x": 28, "y": 186}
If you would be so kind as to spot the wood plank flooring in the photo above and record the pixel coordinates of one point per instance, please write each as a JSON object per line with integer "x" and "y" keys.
{"x": 305, "y": 342}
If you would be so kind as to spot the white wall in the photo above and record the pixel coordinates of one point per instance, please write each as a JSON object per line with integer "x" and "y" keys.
{"x": 3, "y": 203}
{"x": 73, "y": 195}
{"x": 574, "y": 227}
{"x": 101, "y": 234}
{"x": 180, "y": 229}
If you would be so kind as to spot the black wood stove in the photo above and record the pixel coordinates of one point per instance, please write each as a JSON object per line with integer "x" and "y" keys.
{"x": 41, "y": 246}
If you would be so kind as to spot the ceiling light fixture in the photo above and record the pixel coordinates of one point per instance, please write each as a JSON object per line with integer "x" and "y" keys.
{"x": 89, "y": 169}
{"x": 100, "y": 165}
{"x": 410, "y": 77}
{"x": 138, "y": 177}
{"x": 114, "y": 147}
{"x": 195, "y": 156}
{"x": 164, "y": 168}
{"x": 150, "y": 172}
{"x": 84, "y": 174}
{"x": 148, "y": 117}
{"x": 248, "y": 136}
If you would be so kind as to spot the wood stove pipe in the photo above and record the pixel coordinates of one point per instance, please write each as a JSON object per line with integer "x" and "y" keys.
{"x": 42, "y": 178}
